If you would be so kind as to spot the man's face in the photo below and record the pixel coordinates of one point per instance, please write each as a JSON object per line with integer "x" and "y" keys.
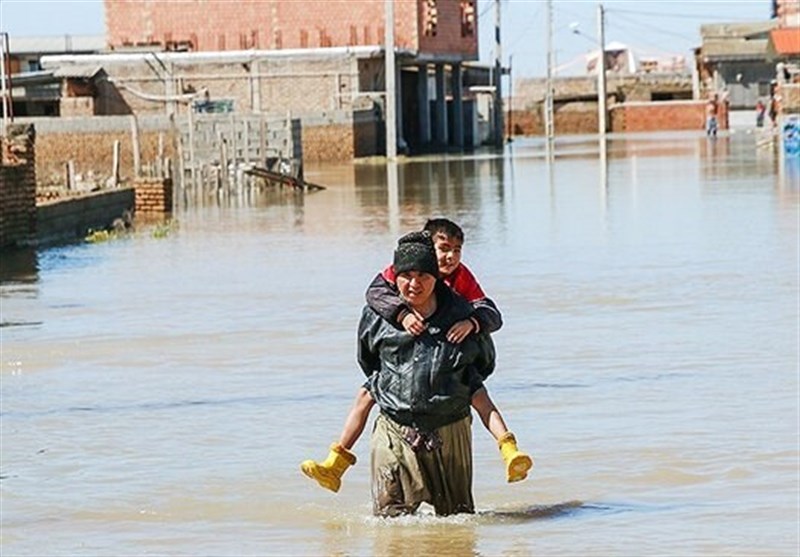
{"x": 448, "y": 253}
{"x": 415, "y": 287}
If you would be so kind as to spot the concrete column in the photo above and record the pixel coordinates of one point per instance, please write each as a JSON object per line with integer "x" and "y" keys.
{"x": 458, "y": 105}
{"x": 424, "y": 105}
{"x": 441, "y": 106}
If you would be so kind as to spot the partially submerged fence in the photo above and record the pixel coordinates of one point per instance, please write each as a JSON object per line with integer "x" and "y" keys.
{"x": 216, "y": 151}
{"x": 78, "y": 155}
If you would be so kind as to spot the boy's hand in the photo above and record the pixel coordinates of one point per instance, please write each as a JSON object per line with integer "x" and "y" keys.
{"x": 413, "y": 324}
{"x": 460, "y": 330}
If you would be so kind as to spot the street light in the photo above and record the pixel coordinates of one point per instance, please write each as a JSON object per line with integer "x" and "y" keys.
{"x": 602, "y": 111}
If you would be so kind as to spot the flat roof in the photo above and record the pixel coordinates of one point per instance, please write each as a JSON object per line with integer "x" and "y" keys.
{"x": 56, "y": 44}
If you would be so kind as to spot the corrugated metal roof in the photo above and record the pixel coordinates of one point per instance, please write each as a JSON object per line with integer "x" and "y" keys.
{"x": 77, "y": 71}
{"x": 56, "y": 44}
{"x": 785, "y": 42}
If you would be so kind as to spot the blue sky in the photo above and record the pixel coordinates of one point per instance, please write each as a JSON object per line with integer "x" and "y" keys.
{"x": 659, "y": 28}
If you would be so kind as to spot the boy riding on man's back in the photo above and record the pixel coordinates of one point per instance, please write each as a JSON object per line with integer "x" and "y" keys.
{"x": 383, "y": 297}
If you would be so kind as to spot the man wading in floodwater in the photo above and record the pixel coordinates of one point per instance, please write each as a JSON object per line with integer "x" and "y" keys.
{"x": 421, "y": 445}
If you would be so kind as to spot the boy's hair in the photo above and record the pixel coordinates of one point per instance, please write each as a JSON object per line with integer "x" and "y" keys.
{"x": 445, "y": 227}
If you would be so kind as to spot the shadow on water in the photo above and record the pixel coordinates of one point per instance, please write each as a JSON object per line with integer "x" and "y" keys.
{"x": 568, "y": 509}
{"x": 518, "y": 386}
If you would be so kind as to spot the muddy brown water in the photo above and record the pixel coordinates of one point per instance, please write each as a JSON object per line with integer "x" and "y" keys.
{"x": 159, "y": 393}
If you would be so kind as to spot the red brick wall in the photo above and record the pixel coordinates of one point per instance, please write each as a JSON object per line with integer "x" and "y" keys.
{"x": 448, "y": 37}
{"x": 581, "y": 118}
{"x": 153, "y": 195}
{"x": 273, "y": 24}
{"x": 571, "y": 118}
{"x": 667, "y": 115}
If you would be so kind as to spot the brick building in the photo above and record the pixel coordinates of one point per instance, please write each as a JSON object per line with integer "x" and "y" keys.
{"x": 306, "y": 57}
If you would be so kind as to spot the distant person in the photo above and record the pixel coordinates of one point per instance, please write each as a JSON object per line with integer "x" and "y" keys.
{"x": 711, "y": 118}
{"x": 773, "y": 110}
{"x": 761, "y": 111}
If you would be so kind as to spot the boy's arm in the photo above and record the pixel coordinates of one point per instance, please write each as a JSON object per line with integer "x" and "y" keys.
{"x": 366, "y": 355}
{"x": 486, "y": 315}
{"x": 382, "y": 296}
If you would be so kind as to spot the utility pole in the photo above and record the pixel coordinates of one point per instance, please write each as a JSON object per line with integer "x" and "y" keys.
{"x": 390, "y": 98}
{"x": 602, "y": 111}
{"x": 498, "y": 79}
{"x": 5, "y": 83}
{"x": 549, "y": 116}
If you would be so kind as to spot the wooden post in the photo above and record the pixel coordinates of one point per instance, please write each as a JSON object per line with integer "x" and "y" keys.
{"x": 192, "y": 166}
{"x": 179, "y": 154}
{"x": 160, "y": 159}
{"x": 246, "y": 153}
{"x": 70, "y": 171}
{"x": 115, "y": 164}
{"x": 262, "y": 142}
{"x": 233, "y": 143}
{"x": 223, "y": 161}
{"x": 137, "y": 162}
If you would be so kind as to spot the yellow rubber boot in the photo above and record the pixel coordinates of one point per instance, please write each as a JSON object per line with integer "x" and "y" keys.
{"x": 517, "y": 463}
{"x": 329, "y": 473}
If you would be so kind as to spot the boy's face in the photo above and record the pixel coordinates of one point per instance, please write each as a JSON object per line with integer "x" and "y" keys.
{"x": 448, "y": 253}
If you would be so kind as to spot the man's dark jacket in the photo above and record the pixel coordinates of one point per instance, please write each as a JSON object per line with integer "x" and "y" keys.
{"x": 424, "y": 381}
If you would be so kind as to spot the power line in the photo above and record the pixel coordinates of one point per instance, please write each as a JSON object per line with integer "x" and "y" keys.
{"x": 485, "y": 10}
{"x": 707, "y": 17}
{"x": 521, "y": 33}
{"x": 653, "y": 28}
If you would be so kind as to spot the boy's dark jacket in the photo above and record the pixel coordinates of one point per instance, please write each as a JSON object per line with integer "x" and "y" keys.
{"x": 424, "y": 381}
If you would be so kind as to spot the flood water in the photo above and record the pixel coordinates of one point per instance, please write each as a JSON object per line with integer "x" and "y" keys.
{"x": 159, "y": 391}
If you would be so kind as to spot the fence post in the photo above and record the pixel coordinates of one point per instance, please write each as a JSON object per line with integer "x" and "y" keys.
{"x": 115, "y": 164}
{"x": 137, "y": 162}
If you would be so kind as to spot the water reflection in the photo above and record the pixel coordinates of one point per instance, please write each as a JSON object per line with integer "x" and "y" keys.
{"x": 649, "y": 333}
{"x": 19, "y": 266}
{"x": 448, "y": 538}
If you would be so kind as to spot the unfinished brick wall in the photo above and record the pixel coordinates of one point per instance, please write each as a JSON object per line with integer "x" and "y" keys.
{"x": 279, "y": 24}
{"x": 337, "y": 140}
{"x": 667, "y": 115}
{"x": 571, "y": 118}
{"x": 18, "y": 186}
{"x": 333, "y": 142}
{"x": 269, "y": 85}
{"x": 153, "y": 196}
{"x": 582, "y": 118}
{"x": 92, "y": 154}
{"x": 77, "y": 106}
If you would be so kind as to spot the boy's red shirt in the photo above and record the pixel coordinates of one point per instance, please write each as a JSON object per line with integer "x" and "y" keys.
{"x": 461, "y": 280}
